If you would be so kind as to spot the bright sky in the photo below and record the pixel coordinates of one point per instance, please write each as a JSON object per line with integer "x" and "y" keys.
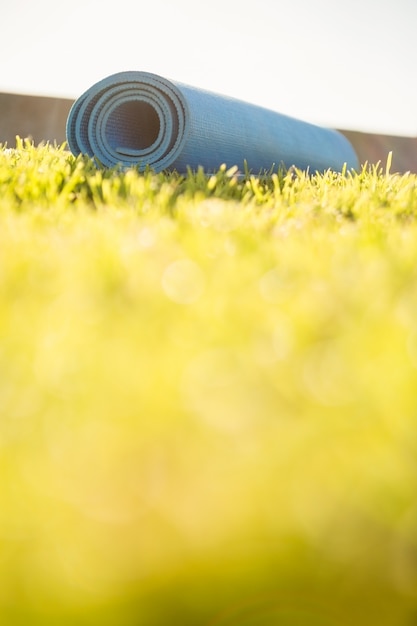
{"x": 348, "y": 64}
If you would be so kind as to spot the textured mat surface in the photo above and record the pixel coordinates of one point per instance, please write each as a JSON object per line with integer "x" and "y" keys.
{"x": 139, "y": 118}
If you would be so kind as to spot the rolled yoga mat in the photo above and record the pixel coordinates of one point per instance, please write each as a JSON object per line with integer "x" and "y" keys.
{"x": 141, "y": 119}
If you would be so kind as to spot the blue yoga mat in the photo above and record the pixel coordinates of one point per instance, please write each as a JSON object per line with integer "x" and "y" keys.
{"x": 141, "y": 119}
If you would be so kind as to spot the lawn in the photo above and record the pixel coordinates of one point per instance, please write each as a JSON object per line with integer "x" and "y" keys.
{"x": 208, "y": 396}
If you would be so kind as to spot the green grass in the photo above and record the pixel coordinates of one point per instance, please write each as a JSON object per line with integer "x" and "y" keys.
{"x": 208, "y": 396}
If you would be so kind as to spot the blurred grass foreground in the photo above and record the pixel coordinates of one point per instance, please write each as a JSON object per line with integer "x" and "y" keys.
{"x": 208, "y": 396}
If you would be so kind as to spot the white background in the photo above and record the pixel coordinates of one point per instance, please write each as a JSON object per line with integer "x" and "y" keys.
{"x": 350, "y": 65}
